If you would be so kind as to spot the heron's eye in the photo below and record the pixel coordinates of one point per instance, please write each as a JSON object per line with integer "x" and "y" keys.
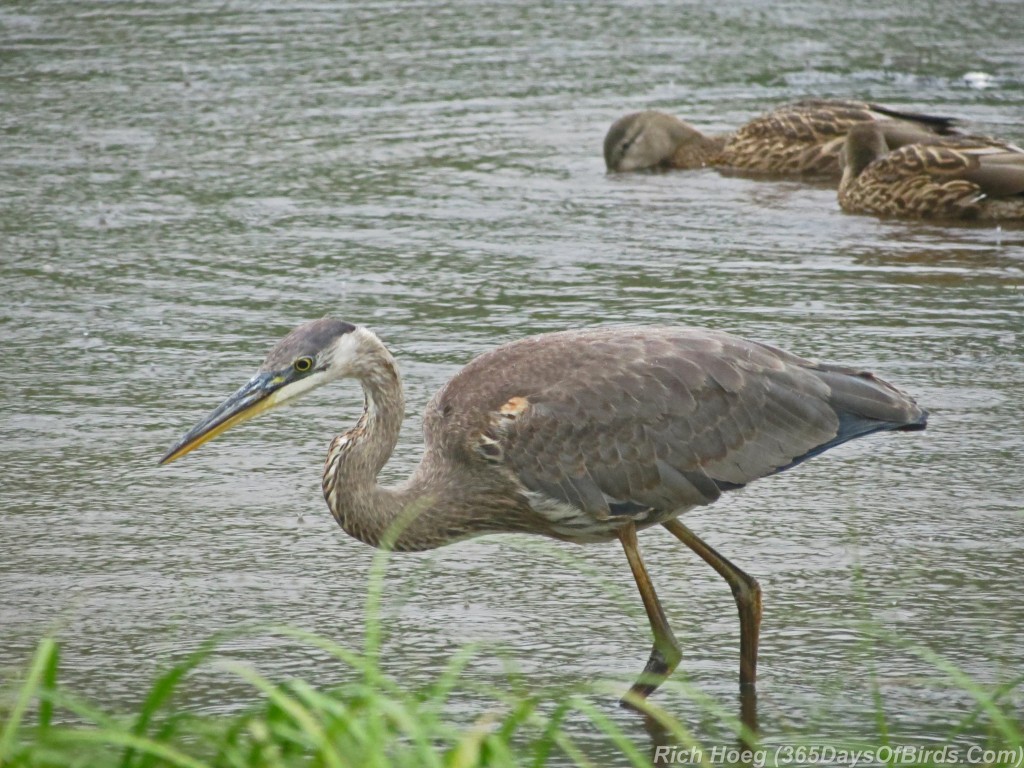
{"x": 303, "y": 365}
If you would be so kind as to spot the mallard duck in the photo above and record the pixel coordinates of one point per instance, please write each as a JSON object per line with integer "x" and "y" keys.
{"x": 800, "y": 139}
{"x": 969, "y": 178}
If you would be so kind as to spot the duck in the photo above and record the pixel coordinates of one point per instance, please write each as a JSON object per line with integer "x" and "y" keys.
{"x": 971, "y": 178}
{"x": 804, "y": 138}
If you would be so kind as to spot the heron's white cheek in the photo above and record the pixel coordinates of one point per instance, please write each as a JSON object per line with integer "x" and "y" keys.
{"x": 296, "y": 388}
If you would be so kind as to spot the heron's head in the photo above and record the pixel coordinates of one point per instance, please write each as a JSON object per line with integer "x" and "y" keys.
{"x": 308, "y": 357}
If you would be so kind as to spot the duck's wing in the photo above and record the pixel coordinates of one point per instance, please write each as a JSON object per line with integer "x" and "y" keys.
{"x": 806, "y": 137}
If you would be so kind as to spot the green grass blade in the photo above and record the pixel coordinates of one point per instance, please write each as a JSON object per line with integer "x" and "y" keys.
{"x": 308, "y": 726}
{"x": 1002, "y": 722}
{"x": 161, "y": 690}
{"x": 612, "y": 731}
{"x": 48, "y": 691}
{"x": 42, "y": 668}
{"x": 105, "y": 736}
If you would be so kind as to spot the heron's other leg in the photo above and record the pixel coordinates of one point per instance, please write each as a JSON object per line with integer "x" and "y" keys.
{"x": 665, "y": 654}
{"x": 745, "y": 590}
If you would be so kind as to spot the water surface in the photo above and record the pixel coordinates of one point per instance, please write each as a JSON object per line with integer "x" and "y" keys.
{"x": 182, "y": 184}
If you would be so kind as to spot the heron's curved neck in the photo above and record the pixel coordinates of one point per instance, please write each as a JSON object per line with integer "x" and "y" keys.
{"x": 362, "y": 507}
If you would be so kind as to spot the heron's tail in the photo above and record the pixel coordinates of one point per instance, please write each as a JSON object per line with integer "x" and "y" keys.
{"x": 864, "y": 404}
{"x": 862, "y": 397}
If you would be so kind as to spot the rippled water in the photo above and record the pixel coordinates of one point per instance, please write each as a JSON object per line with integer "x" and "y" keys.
{"x": 181, "y": 184}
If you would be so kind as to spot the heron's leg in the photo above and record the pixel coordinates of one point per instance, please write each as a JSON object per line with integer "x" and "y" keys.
{"x": 665, "y": 654}
{"x": 745, "y": 590}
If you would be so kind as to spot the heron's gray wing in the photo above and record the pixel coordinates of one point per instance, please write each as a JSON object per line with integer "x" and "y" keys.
{"x": 669, "y": 421}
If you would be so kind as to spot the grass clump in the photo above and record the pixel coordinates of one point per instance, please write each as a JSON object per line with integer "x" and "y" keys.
{"x": 374, "y": 721}
{"x": 370, "y": 721}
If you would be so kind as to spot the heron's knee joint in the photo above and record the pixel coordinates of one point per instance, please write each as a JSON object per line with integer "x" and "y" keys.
{"x": 747, "y": 591}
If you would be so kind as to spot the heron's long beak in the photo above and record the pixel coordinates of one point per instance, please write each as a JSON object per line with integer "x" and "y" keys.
{"x": 259, "y": 394}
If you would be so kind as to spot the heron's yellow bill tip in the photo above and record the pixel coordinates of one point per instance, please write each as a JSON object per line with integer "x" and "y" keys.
{"x": 181, "y": 449}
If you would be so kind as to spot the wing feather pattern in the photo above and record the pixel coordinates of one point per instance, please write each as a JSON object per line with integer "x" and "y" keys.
{"x": 623, "y": 420}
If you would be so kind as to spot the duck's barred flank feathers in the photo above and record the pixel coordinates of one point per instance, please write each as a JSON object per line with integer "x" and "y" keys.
{"x": 975, "y": 178}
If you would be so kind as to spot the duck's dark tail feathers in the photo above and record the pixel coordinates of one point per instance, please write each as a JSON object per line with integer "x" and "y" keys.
{"x": 945, "y": 126}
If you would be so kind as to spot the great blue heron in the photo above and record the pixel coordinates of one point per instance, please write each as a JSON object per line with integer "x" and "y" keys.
{"x": 973, "y": 178}
{"x": 800, "y": 139}
{"x": 584, "y": 435}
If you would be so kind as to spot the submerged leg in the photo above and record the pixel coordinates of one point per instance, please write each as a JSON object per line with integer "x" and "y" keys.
{"x": 665, "y": 654}
{"x": 745, "y": 590}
